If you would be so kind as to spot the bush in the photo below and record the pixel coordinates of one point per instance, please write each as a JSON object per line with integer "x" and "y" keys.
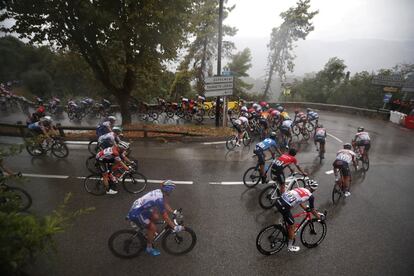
{"x": 38, "y": 82}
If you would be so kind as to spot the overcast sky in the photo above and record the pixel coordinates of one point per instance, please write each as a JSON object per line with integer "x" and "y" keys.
{"x": 337, "y": 19}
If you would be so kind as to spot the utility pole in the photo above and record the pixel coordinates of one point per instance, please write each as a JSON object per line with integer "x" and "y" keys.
{"x": 220, "y": 38}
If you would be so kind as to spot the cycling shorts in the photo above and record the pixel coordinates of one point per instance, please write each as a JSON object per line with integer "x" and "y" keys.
{"x": 284, "y": 209}
{"x": 260, "y": 156}
{"x": 143, "y": 218}
{"x": 104, "y": 166}
{"x": 366, "y": 144}
{"x": 342, "y": 166}
{"x": 278, "y": 174}
{"x": 239, "y": 128}
{"x": 285, "y": 130}
{"x": 264, "y": 123}
{"x": 320, "y": 139}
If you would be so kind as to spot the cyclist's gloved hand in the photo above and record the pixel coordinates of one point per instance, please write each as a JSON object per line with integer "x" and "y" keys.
{"x": 178, "y": 228}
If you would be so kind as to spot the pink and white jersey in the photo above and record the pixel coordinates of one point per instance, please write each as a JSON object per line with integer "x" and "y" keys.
{"x": 243, "y": 120}
{"x": 296, "y": 196}
{"x": 320, "y": 132}
{"x": 345, "y": 155}
{"x": 362, "y": 136}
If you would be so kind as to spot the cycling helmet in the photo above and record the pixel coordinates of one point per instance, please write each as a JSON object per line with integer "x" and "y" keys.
{"x": 272, "y": 135}
{"x": 40, "y": 109}
{"x": 312, "y": 184}
{"x": 112, "y": 118}
{"x": 47, "y": 119}
{"x": 167, "y": 186}
{"x": 292, "y": 152}
{"x": 280, "y": 108}
{"x": 123, "y": 146}
{"x": 347, "y": 146}
{"x": 117, "y": 129}
{"x": 360, "y": 129}
{"x": 243, "y": 108}
{"x": 263, "y": 104}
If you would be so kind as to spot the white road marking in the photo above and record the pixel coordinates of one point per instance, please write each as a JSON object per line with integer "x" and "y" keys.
{"x": 232, "y": 183}
{"x": 336, "y": 138}
{"x": 329, "y": 172}
{"x": 155, "y": 181}
{"x": 45, "y": 175}
{"x": 214, "y": 143}
{"x": 77, "y": 142}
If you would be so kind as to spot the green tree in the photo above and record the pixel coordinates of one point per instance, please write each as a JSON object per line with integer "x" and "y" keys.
{"x": 118, "y": 39}
{"x": 39, "y": 82}
{"x": 202, "y": 51}
{"x": 239, "y": 65}
{"x": 296, "y": 25}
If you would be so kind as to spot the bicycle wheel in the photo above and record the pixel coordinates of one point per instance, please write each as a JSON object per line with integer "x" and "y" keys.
{"x": 336, "y": 193}
{"x": 271, "y": 239}
{"x": 94, "y": 184}
{"x": 17, "y": 198}
{"x": 93, "y": 147}
{"x": 34, "y": 149}
{"x": 309, "y": 126}
{"x": 246, "y": 139}
{"x": 231, "y": 142}
{"x": 179, "y": 243}
{"x": 59, "y": 149}
{"x": 251, "y": 177}
{"x": 313, "y": 233}
{"x": 126, "y": 244}
{"x": 92, "y": 165}
{"x": 365, "y": 163}
{"x": 268, "y": 197}
{"x": 134, "y": 182}
{"x": 305, "y": 134}
{"x": 296, "y": 130}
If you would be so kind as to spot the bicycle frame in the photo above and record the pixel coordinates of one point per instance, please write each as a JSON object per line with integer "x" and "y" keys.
{"x": 307, "y": 216}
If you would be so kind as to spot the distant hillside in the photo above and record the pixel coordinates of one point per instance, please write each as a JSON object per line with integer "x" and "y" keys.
{"x": 359, "y": 55}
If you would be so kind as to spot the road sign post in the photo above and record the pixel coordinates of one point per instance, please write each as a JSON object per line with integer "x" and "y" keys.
{"x": 219, "y": 86}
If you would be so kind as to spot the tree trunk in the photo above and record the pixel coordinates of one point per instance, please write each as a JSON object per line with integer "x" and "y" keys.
{"x": 123, "y": 101}
{"x": 268, "y": 82}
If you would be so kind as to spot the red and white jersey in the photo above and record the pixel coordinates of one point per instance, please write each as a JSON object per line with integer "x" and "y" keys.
{"x": 345, "y": 155}
{"x": 285, "y": 160}
{"x": 109, "y": 154}
{"x": 362, "y": 136}
{"x": 296, "y": 196}
{"x": 320, "y": 132}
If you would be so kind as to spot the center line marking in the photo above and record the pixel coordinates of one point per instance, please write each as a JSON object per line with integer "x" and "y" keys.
{"x": 336, "y": 138}
{"x": 214, "y": 143}
{"x": 46, "y": 175}
{"x": 329, "y": 172}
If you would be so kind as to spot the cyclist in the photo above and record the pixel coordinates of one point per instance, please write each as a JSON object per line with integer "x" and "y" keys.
{"x": 291, "y": 199}
{"x": 106, "y": 126}
{"x": 320, "y": 137}
{"x": 285, "y": 128}
{"x": 145, "y": 211}
{"x": 111, "y": 138}
{"x": 44, "y": 126}
{"x": 344, "y": 157}
{"x": 240, "y": 125}
{"x": 108, "y": 157}
{"x": 3, "y": 169}
{"x": 300, "y": 117}
{"x": 362, "y": 140}
{"x": 283, "y": 162}
{"x": 35, "y": 117}
{"x": 312, "y": 116}
{"x": 260, "y": 150}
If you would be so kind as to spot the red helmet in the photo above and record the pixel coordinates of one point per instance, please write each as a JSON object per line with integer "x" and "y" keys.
{"x": 40, "y": 109}
{"x": 251, "y": 110}
{"x": 263, "y": 104}
{"x": 275, "y": 113}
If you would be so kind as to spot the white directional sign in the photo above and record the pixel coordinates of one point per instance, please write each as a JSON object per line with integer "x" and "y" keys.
{"x": 218, "y": 86}
{"x": 216, "y": 93}
{"x": 218, "y": 79}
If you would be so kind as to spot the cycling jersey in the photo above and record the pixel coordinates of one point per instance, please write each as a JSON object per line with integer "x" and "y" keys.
{"x": 103, "y": 128}
{"x": 320, "y": 133}
{"x": 244, "y": 120}
{"x": 108, "y": 139}
{"x": 345, "y": 155}
{"x": 285, "y": 159}
{"x": 109, "y": 155}
{"x": 287, "y": 123}
{"x": 298, "y": 196}
{"x": 141, "y": 209}
{"x": 266, "y": 144}
{"x": 362, "y": 136}
{"x": 312, "y": 115}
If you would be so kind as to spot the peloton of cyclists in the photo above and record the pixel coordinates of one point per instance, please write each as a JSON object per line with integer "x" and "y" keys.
{"x": 146, "y": 210}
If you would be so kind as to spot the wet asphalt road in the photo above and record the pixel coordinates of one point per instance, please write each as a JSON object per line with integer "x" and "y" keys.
{"x": 368, "y": 234}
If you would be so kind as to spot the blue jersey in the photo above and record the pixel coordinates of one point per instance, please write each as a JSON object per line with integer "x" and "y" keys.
{"x": 312, "y": 115}
{"x": 266, "y": 144}
{"x": 153, "y": 199}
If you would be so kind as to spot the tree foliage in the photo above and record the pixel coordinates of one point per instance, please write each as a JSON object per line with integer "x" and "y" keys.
{"x": 201, "y": 52}
{"x": 296, "y": 25}
{"x": 238, "y": 66}
{"x": 117, "y": 39}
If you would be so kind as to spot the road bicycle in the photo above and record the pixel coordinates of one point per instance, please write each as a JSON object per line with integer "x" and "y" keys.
{"x": 13, "y": 198}
{"x": 299, "y": 128}
{"x": 132, "y": 181}
{"x": 339, "y": 190}
{"x": 273, "y": 238}
{"x": 37, "y": 146}
{"x": 232, "y": 140}
{"x": 362, "y": 158}
{"x": 321, "y": 151}
{"x": 129, "y": 243}
{"x": 269, "y": 195}
{"x": 252, "y": 176}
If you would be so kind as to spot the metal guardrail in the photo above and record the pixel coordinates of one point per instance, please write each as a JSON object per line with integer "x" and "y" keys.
{"x": 144, "y": 129}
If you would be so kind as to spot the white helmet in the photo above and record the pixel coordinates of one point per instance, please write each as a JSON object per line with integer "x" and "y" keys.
{"x": 112, "y": 118}
{"x": 312, "y": 184}
{"x": 46, "y": 119}
{"x": 123, "y": 145}
{"x": 243, "y": 109}
{"x": 117, "y": 129}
